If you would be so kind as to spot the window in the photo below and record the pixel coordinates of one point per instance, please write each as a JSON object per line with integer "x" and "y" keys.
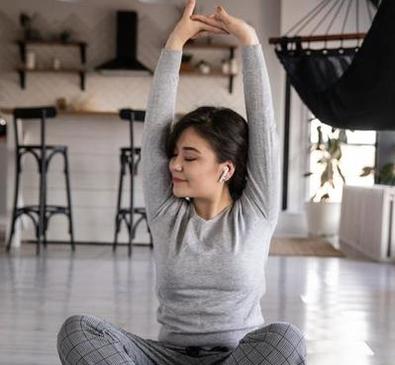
{"x": 360, "y": 151}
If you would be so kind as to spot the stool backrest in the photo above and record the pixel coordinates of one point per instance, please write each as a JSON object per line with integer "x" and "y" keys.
{"x": 132, "y": 115}
{"x": 41, "y": 113}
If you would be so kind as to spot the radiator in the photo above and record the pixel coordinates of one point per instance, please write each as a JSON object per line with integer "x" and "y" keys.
{"x": 368, "y": 221}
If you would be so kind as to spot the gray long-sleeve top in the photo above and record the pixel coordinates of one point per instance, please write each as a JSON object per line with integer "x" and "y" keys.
{"x": 210, "y": 274}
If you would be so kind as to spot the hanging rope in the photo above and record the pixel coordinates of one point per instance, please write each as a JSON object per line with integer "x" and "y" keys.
{"x": 342, "y": 87}
{"x": 333, "y": 20}
{"x": 335, "y": 17}
{"x": 325, "y": 15}
{"x": 357, "y": 19}
{"x": 369, "y": 11}
{"x": 309, "y": 14}
{"x": 345, "y": 20}
{"x": 309, "y": 17}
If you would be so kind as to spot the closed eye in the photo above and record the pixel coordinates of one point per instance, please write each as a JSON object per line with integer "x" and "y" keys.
{"x": 186, "y": 159}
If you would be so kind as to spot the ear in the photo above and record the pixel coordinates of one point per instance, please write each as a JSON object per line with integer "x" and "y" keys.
{"x": 231, "y": 169}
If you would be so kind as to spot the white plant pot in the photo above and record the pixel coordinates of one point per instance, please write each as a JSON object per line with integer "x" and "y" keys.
{"x": 322, "y": 218}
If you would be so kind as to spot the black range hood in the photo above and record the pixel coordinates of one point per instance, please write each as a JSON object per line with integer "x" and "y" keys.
{"x": 126, "y": 46}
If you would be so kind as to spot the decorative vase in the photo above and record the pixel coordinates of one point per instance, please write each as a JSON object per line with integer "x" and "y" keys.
{"x": 30, "y": 60}
{"x": 323, "y": 218}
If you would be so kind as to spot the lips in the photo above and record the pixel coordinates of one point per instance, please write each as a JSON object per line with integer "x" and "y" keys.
{"x": 177, "y": 180}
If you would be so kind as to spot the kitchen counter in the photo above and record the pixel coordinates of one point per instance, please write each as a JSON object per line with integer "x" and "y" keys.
{"x": 82, "y": 113}
{"x": 74, "y": 112}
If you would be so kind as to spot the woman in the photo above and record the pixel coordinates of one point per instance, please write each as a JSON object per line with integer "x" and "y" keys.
{"x": 211, "y": 227}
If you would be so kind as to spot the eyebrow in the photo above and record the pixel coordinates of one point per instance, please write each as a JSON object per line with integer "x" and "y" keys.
{"x": 191, "y": 149}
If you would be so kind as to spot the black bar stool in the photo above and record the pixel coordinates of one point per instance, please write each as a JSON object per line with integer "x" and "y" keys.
{"x": 42, "y": 213}
{"x": 129, "y": 158}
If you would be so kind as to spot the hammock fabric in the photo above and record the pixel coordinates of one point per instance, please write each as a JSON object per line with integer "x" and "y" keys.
{"x": 346, "y": 88}
{"x": 375, "y": 2}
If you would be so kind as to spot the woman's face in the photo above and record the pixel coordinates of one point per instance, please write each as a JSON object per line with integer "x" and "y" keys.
{"x": 194, "y": 168}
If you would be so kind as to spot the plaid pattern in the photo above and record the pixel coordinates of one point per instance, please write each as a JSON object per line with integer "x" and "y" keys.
{"x": 279, "y": 343}
{"x": 85, "y": 339}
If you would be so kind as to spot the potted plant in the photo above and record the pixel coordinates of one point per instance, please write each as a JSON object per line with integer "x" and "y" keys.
{"x": 65, "y": 36}
{"x": 385, "y": 176}
{"x": 26, "y": 21}
{"x": 322, "y": 213}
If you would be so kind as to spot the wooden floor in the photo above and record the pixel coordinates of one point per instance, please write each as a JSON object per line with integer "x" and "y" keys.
{"x": 346, "y": 308}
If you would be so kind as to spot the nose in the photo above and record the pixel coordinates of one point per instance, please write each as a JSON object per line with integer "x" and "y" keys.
{"x": 175, "y": 164}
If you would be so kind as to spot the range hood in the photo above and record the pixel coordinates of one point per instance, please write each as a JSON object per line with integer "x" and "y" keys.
{"x": 126, "y": 46}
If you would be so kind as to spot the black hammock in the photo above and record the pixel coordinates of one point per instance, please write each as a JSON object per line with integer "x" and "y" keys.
{"x": 348, "y": 88}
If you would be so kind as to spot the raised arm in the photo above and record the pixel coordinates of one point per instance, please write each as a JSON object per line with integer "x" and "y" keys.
{"x": 263, "y": 168}
{"x": 161, "y": 110}
{"x": 159, "y": 115}
{"x": 261, "y": 194}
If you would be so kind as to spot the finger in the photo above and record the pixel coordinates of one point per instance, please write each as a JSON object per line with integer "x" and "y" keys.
{"x": 213, "y": 29}
{"x": 209, "y": 22}
{"x": 205, "y": 32}
{"x": 201, "y": 34}
{"x": 211, "y": 16}
{"x": 189, "y": 8}
{"x": 221, "y": 14}
{"x": 206, "y": 20}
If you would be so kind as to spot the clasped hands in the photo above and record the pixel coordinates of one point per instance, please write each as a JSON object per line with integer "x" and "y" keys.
{"x": 193, "y": 26}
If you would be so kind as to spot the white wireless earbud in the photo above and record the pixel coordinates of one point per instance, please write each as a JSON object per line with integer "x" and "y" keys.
{"x": 223, "y": 175}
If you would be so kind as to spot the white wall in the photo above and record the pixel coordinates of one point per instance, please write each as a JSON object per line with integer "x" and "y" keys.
{"x": 95, "y": 22}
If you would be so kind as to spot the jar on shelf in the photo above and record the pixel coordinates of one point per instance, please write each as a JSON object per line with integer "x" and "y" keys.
{"x": 225, "y": 67}
{"x": 233, "y": 67}
{"x": 56, "y": 63}
{"x": 30, "y": 60}
{"x": 204, "y": 67}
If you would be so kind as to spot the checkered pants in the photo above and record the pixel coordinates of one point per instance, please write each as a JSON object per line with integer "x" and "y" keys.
{"x": 85, "y": 339}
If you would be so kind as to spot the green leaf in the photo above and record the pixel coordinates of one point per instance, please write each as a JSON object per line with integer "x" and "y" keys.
{"x": 387, "y": 174}
{"x": 325, "y": 197}
{"x": 342, "y": 136}
{"x": 366, "y": 171}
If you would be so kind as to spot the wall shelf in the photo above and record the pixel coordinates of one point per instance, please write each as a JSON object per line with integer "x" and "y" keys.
{"x": 22, "y": 71}
{"x": 80, "y": 44}
{"x": 213, "y": 46}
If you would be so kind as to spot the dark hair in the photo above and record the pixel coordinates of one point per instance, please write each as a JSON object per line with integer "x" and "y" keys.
{"x": 227, "y": 133}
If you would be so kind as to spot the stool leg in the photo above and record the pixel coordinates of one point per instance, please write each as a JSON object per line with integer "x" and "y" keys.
{"x": 45, "y": 217}
{"x": 41, "y": 211}
{"x": 151, "y": 244}
{"x": 45, "y": 228}
{"x": 68, "y": 192}
{"x": 131, "y": 204}
{"x": 14, "y": 209}
{"x": 119, "y": 200}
